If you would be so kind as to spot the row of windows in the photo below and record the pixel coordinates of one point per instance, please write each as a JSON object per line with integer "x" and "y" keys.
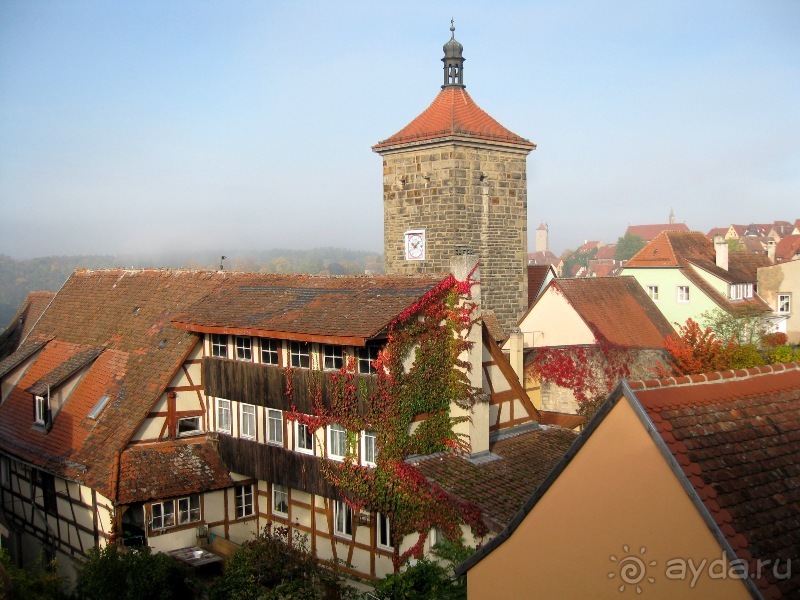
{"x": 740, "y": 291}
{"x": 300, "y": 353}
{"x": 303, "y": 439}
{"x": 682, "y": 292}
{"x": 163, "y": 514}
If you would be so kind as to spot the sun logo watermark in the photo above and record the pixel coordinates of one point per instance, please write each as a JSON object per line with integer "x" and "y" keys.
{"x": 632, "y": 569}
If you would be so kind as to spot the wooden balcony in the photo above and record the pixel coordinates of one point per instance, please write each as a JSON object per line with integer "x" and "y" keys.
{"x": 274, "y": 464}
{"x": 265, "y": 385}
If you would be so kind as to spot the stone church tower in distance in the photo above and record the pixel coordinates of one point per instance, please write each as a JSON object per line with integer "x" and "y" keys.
{"x": 454, "y": 183}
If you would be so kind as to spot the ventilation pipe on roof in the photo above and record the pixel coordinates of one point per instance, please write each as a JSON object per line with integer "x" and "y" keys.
{"x": 515, "y": 354}
{"x": 721, "y": 251}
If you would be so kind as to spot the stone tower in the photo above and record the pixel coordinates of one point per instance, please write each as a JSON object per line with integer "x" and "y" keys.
{"x": 542, "y": 242}
{"x": 454, "y": 182}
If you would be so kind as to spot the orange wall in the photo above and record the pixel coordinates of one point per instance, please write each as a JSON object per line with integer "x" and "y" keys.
{"x": 617, "y": 492}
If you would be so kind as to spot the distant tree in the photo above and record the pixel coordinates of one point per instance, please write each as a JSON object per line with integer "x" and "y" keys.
{"x": 745, "y": 326}
{"x": 628, "y": 245}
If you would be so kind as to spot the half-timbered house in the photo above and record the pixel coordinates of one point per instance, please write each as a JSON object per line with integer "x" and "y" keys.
{"x": 149, "y": 407}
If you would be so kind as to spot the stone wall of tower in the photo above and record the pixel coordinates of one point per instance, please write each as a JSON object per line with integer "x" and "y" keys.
{"x": 466, "y": 197}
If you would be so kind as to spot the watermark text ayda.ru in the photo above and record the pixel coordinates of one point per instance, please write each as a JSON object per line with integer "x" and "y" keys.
{"x": 634, "y": 570}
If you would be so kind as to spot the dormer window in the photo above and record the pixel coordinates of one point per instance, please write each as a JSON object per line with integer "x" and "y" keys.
{"x": 41, "y": 410}
{"x": 740, "y": 291}
{"x": 189, "y": 426}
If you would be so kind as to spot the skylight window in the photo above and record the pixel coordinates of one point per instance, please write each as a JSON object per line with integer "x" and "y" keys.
{"x": 101, "y": 404}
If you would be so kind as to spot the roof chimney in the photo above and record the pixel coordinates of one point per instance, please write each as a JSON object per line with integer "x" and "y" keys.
{"x": 771, "y": 245}
{"x": 721, "y": 251}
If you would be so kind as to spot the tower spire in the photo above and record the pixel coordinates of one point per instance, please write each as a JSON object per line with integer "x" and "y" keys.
{"x": 453, "y": 61}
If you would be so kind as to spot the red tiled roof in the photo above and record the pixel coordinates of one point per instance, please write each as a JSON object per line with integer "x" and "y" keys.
{"x": 500, "y": 487}
{"x": 723, "y": 231}
{"x": 349, "y": 308}
{"x": 607, "y": 252}
{"x": 691, "y": 250}
{"x": 453, "y": 114}
{"x": 736, "y": 437}
{"x": 617, "y": 309}
{"x": 170, "y": 470}
{"x": 537, "y": 274}
{"x": 27, "y": 315}
{"x": 788, "y": 248}
{"x": 649, "y": 232}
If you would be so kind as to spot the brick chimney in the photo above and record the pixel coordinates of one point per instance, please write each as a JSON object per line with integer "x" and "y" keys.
{"x": 771, "y": 245}
{"x": 721, "y": 251}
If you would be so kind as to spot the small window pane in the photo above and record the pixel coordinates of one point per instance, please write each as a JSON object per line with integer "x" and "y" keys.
{"x": 244, "y": 501}
{"x": 274, "y": 426}
{"x": 365, "y": 358}
{"x": 337, "y": 441}
{"x": 304, "y": 439}
{"x": 223, "y": 415}
{"x": 269, "y": 352}
{"x": 369, "y": 450}
{"x": 248, "y": 421}
{"x": 244, "y": 348}
{"x": 280, "y": 500}
{"x": 300, "y": 354}
{"x": 343, "y": 518}
{"x": 219, "y": 345}
{"x": 332, "y": 357}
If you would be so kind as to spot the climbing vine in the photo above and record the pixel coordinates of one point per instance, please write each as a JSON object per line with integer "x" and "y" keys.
{"x": 409, "y": 413}
{"x": 590, "y": 372}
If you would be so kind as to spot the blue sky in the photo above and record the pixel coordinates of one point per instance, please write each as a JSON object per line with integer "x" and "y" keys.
{"x": 150, "y": 126}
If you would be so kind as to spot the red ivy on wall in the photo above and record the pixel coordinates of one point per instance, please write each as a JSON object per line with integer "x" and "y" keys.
{"x": 433, "y": 331}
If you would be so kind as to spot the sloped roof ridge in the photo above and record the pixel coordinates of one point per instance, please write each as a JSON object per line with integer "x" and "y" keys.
{"x": 712, "y": 377}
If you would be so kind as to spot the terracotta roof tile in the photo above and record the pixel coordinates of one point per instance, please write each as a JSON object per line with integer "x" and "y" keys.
{"x": 738, "y": 439}
{"x": 453, "y": 115}
{"x": 499, "y": 488}
{"x": 20, "y": 325}
{"x": 284, "y": 306}
{"x": 617, "y": 309}
{"x": 170, "y": 470}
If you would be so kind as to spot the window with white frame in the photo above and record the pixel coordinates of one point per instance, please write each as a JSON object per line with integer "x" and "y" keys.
{"x": 303, "y": 438}
{"x": 189, "y": 426}
{"x": 300, "y": 355}
{"x": 247, "y": 421}
{"x": 162, "y": 514}
{"x": 280, "y": 500}
{"x": 436, "y": 536}
{"x": 683, "y": 293}
{"x": 784, "y": 304}
{"x": 244, "y": 501}
{"x": 365, "y": 357}
{"x": 332, "y": 357}
{"x": 383, "y": 539}
{"x": 337, "y": 441}
{"x": 244, "y": 348}
{"x": 40, "y": 403}
{"x": 223, "y": 415}
{"x": 269, "y": 352}
{"x": 369, "y": 448}
{"x": 219, "y": 345}
{"x": 342, "y": 518}
{"x": 274, "y": 426}
{"x": 652, "y": 291}
{"x": 189, "y": 509}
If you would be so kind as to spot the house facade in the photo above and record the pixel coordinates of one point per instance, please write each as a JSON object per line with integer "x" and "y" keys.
{"x": 609, "y": 321}
{"x": 151, "y": 407}
{"x": 685, "y": 275}
{"x": 676, "y": 489}
{"x": 779, "y": 286}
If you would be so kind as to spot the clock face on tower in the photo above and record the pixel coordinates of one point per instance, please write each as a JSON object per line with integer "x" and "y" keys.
{"x": 415, "y": 244}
